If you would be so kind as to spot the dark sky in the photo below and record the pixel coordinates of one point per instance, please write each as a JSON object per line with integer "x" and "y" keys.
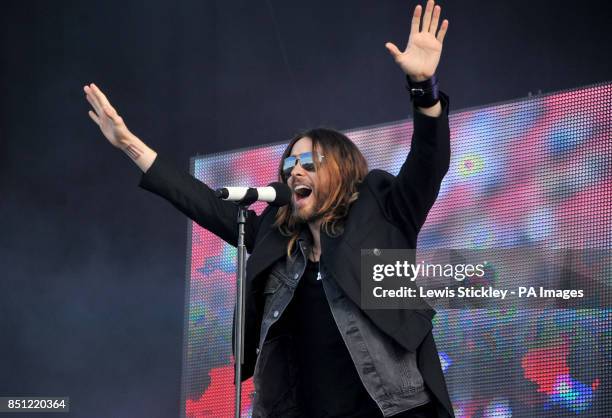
{"x": 91, "y": 267}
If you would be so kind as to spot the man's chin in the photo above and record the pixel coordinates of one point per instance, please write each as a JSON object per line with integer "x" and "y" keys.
{"x": 301, "y": 217}
{"x": 305, "y": 215}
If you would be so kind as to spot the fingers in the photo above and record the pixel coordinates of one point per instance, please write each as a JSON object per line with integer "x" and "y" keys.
{"x": 94, "y": 104}
{"x": 442, "y": 31}
{"x": 393, "y": 49}
{"x": 99, "y": 99}
{"x": 99, "y": 95}
{"x": 112, "y": 114}
{"x": 427, "y": 16}
{"x": 94, "y": 117}
{"x": 416, "y": 20}
{"x": 431, "y": 18}
{"x": 93, "y": 100}
{"x": 101, "y": 105}
{"x": 108, "y": 109}
{"x": 434, "y": 22}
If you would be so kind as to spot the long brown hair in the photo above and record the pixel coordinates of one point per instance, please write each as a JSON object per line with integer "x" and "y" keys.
{"x": 343, "y": 168}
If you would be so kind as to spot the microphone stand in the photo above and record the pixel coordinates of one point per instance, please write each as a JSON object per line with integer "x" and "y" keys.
{"x": 239, "y": 323}
{"x": 249, "y": 198}
{"x": 283, "y": 197}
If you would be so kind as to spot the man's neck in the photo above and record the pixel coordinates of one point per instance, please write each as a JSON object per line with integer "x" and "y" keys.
{"x": 315, "y": 230}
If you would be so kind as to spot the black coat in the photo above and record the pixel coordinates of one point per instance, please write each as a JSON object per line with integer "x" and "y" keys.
{"x": 389, "y": 213}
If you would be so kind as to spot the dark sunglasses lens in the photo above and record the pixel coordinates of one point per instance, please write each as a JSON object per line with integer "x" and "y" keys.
{"x": 305, "y": 160}
{"x": 288, "y": 165}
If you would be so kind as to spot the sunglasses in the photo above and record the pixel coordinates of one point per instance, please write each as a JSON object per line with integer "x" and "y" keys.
{"x": 306, "y": 160}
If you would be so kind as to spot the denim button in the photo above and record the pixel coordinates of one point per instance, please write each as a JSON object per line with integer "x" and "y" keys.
{"x": 376, "y": 251}
{"x": 257, "y": 350}
{"x": 296, "y": 275}
{"x": 275, "y": 314}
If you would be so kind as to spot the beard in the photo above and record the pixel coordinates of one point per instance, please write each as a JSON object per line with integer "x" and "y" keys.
{"x": 310, "y": 213}
{"x": 306, "y": 215}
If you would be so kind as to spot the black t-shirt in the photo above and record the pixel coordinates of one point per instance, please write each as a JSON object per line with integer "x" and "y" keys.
{"x": 329, "y": 384}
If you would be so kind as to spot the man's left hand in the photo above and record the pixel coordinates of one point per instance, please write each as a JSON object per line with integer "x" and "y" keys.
{"x": 422, "y": 55}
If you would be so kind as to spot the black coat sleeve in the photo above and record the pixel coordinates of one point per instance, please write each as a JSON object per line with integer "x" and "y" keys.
{"x": 415, "y": 189}
{"x": 198, "y": 202}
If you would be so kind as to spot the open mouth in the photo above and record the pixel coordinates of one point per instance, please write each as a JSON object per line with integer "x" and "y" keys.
{"x": 301, "y": 192}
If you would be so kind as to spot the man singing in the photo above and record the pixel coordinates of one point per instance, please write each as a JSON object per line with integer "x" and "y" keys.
{"x": 310, "y": 347}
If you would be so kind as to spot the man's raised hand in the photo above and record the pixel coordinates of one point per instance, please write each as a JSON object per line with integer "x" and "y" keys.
{"x": 422, "y": 55}
{"x": 106, "y": 117}
{"x": 114, "y": 129}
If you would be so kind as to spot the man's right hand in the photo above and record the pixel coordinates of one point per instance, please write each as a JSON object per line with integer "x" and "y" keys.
{"x": 106, "y": 117}
{"x": 114, "y": 129}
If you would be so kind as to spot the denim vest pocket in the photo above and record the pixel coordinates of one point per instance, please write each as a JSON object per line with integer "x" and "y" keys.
{"x": 271, "y": 288}
{"x": 272, "y": 284}
{"x": 395, "y": 365}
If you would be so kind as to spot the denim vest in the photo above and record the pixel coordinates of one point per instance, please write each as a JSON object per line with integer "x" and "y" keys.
{"x": 388, "y": 371}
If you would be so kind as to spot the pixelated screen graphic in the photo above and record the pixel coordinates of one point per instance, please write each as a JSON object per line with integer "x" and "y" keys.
{"x": 531, "y": 171}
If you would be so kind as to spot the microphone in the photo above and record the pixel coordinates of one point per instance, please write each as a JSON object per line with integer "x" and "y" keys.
{"x": 276, "y": 194}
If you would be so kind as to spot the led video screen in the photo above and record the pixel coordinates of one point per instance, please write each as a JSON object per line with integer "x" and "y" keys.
{"x": 531, "y": 171}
